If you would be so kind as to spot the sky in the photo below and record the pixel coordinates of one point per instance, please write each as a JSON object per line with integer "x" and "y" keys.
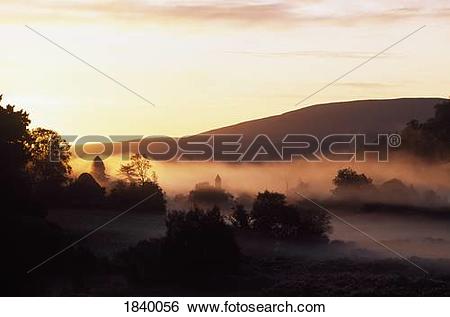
{"x": 208, "y": 64}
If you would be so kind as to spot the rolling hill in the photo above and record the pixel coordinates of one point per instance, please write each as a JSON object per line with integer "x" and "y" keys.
{"x": 368, "y": 117}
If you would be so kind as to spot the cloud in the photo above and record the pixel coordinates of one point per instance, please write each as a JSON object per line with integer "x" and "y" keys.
{"x": 311, "y": 53}
{"x": 263, "y": 12}
{"x": 366, "y": 85}
{"x": 171, "y": 13}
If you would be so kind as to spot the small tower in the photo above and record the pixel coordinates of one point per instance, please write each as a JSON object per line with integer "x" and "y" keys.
{"x": 218, "y": 182}
{"x": 99, "y": 170}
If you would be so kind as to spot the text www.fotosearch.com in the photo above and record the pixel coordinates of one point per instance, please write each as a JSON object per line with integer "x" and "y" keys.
{"x": 224, "y": 307}
{"x": 237, "y": 307}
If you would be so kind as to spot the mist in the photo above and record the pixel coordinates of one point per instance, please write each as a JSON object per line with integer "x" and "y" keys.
{"x": 411, "y": 235}
{"x": 314, "y": 179}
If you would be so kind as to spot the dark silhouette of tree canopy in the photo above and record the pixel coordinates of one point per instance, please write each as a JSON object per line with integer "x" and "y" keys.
{"x": 200, "y": 240}
{"x": 240, "y": 217}
{"x": 125, "y": 195}
{"x": 138, "y": 170}
{"x": 198, "y": 247}
{"x": 85, "y": 192}
{"x": 395, "y": 191}
{"x": 267, "y": 208}
{"x": 431, "y": 139}
{"x": 350, "y": 185}
{"x": 349, "y": 177}
{"x": 272, "y": 215}
{"x": 48, "y": 165}
{"x": 15, "y": 188}
{"x": 26, "y": 237}
{"x": 141, "y": 182}
{"x": 209, "y": 197}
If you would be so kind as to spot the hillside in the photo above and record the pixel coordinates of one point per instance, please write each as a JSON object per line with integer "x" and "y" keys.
{"x": 363, "y": 116}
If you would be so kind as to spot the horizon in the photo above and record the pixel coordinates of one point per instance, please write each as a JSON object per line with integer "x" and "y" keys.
{"x": 231, "y": 62}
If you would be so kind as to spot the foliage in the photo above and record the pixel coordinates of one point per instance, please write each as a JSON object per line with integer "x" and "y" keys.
{"x": 429, "y": 140}
{"x": 240, "y": 217}
{"x": 48, "y": 165}
{"x": 349, "y": 177}
{"x": 198, "y": 246}
{"x": 209, "y": 197}
{"x": 85, "y": 192}
{"x": 200, "y": 240}
{"x": 138, "y": 170}
{"x": 149, "y": 195}
{"x": 272, "y": 215}
{"x": 351, "y": 185}
{"x": 267, "y": 208}
{"x": 15, "y": 187}
{"x": 144, "y": 261}
{"x": 140, "y": 187}
{"x": 13, "y": 124}
{"x": 305, "y": 222}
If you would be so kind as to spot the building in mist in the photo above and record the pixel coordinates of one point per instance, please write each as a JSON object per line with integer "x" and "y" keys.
{"x": 203, "y": 186}
{"x": 207, "y": 186}
{"x": 218, "y": 182}
{"x": 206, "y": 195}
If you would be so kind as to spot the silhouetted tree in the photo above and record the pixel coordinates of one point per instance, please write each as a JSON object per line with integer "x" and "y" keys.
{"x": 138, "y": 170}
{"x": 48, "y": 164}
{"x": 200, "y": 241}
{"x": 15, "y": 187}
{"x": 273, "y": 216}
{"x": 351, "y": 185}
{"x": 25, "y": 236}
{"x": 240, "y": 217}
{"x": 267, "y": 208}
{"x": 304, "y": 221}
{"x": 85, "y": 192}
{"x": 394, "y": 191}
{"x": 431, "y": 139}
{"x": 209, "y": 197}
{"x": 245, "y": 200}
{"x": 150, "y": 196}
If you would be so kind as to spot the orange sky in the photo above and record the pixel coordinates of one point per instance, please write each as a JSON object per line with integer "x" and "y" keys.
{"x": 207, "y": 64}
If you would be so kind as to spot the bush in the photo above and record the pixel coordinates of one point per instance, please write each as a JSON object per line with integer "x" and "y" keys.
{"x": 240, "y": 217}
{"x": 351, "y": 185}
{"x": 125, "y": 195}
{"x": 198, "y": 246}
{"x": 209, "y": 197}
{"x": 303, "y": 222}
{"x": 85, "y": 192}
{"x": 267, "y": 209}
{"x": 26, "y": 242}
{"x": 273, "y": 216}
{"x": 144, "y": 261}
{"x": 200, "y": 240}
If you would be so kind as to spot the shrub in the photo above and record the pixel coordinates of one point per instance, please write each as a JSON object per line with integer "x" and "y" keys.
{"x": 267, "y": 208}
{"x": 273, "y": 216}
{"x": 125, "y": 195}
{"x": 143, "y": 261}
{"x": 209, "y": 197}
{"x": 200, "y": 240}
{"x": 240, "y": 217}
{"x": 85, "y": 192}
{"x": 351, "y": 185}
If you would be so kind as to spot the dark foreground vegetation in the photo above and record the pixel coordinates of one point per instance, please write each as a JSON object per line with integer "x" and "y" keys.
{"x": 202, "y": 255}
